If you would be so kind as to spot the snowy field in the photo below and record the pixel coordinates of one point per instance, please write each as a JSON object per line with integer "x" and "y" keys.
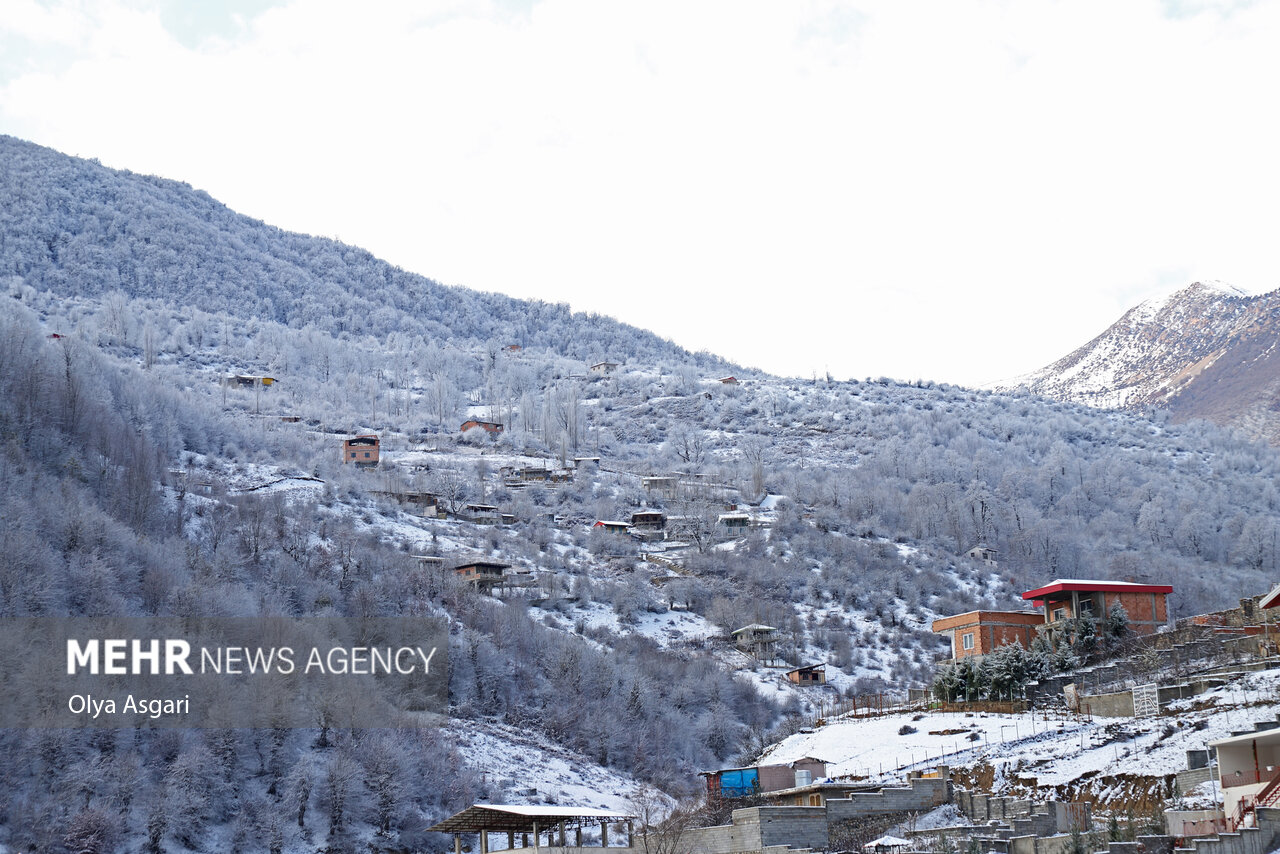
{"x": 1053, "y": 751}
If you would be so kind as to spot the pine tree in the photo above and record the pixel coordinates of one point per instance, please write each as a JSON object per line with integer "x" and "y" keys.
{"x": 1115, "y": 628}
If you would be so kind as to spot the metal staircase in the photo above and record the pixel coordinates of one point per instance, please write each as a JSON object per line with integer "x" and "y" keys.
{"x": 1268, "y": 797}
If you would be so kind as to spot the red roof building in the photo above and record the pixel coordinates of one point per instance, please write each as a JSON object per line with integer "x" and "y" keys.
{"x": 1065, "y": 599}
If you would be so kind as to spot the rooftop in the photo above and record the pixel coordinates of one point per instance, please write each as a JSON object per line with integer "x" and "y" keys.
{"x": 1067, "y": 585}
{"x": 520, "y": 818}
{"x": 754, "y": 627}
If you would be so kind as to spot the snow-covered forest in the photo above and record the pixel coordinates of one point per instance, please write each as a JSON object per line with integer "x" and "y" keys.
{"x": 134, "y": 481}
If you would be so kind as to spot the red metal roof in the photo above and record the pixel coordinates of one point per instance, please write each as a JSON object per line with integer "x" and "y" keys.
{"x": 1271, "y": 599}
{"x": 1062, "y": 586}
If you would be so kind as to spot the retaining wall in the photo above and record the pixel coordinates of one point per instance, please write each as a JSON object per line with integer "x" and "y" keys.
{"x": 756, "y": 828}
{"x": 922, "y": 794}
{"x": 1249, "y": 840}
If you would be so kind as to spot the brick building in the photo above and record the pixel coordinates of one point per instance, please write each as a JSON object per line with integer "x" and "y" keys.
{"x": 983, "y": 632}
{"x": 362, "y": 450}
{"x": 1065, "y": 599}
{"x": 486, "y": 426}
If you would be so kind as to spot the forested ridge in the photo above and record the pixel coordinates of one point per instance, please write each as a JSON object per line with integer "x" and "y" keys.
{"x": 76, "y": 228}
{"x": 875, "y": 489}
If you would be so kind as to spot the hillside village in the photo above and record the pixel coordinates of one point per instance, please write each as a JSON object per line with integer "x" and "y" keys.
{"x": 944, "y": 606}
{"x": 1157, "y": 743}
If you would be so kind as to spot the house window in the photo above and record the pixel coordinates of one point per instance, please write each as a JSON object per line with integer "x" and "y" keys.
{"x": 1059, "y": 614}
{"x": 366, "y": 455}
{"x": 815, "y": 800}
{"x": 966, "y": 641}
{"x": 1086, "y": 606}
{"x": 353, "y": 455}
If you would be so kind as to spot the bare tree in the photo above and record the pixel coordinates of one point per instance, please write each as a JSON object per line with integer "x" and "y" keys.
{"x": 662, "y": 825}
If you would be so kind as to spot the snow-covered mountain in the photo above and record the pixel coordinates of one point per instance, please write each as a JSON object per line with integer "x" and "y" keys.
{"x": 135, "y": 480}
{"x": 1205, "y": 351}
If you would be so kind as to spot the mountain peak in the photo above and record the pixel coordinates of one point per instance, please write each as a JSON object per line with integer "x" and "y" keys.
{"x": 1201, "y": 351}
{"x": 1215, "y": 286}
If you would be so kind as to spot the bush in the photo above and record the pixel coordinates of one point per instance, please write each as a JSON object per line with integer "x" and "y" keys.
{"x": 906, "y": 729}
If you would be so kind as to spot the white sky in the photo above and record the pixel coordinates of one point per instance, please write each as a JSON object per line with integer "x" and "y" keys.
{"x": 954, "y": 190}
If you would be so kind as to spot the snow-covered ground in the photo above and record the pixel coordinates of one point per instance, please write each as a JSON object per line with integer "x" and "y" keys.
{"x": 1030, "y": 745}
{"x": 524, "y": 768}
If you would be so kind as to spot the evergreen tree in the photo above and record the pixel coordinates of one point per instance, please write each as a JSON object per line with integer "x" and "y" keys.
{"x": 1115, "y": 628}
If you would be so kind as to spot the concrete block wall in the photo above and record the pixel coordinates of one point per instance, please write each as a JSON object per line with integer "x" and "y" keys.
{"x": 1059, "y": 844}
{"x": 1117, "y": 705}
{"x": 798, "y": 827}
{"x": 1259, "y": 839}
{"x": 720, "y": 839}
{"x": 1192, "y": 777}
{"x": 756, "y": 828}
{"x": 789, "y": 827}
{"x": 1022, "y": 815}
{"x": 984, "y": 808}
{"x": 1156, "y": 844}
{"x": 1036, "y": 824}
{"x": 922, "y": 794}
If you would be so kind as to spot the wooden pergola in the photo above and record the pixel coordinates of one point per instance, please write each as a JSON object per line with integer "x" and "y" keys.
{"x": 529, "y": 821}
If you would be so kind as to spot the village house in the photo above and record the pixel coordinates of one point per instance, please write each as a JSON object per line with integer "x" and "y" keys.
{"x": 809, "y": 674}
{"x": 603, "y": 367}
{"x": 979, "y": 633}
{"x": 518, "y": 478}
{"x": 1066, "y": 599}
{"x": 425, "y": 504}
{"x": 482, "y": 574}
{"x": 759, "y": 779}
{"x": 983, "y": 554}
{"x": 487, "y": 426}
{"x": 482, "y": 513}
{"x": 664, "y": 485}
{"x": 1248, "y": 772}
{"x": 728, "y": 380}
{"x": 362, "y": 450}
{"x": 654, "y": 520}
{"x": 757, "y": 640}
{"x": 735, "y": 521}
{"x": 248, "y": 381}
{"x": 612, "y": 526}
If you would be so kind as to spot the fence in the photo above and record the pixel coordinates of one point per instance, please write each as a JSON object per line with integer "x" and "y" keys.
{"x": 865, "y": 706}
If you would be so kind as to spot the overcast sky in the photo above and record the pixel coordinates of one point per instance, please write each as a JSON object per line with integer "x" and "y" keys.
{"x": 956, "y": 190}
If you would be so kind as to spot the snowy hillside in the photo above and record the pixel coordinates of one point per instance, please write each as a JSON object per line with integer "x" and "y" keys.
{"x": 137, "y": 479}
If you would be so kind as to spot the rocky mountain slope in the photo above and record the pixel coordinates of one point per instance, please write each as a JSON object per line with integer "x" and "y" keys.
{"x": 1207, "y": 351}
